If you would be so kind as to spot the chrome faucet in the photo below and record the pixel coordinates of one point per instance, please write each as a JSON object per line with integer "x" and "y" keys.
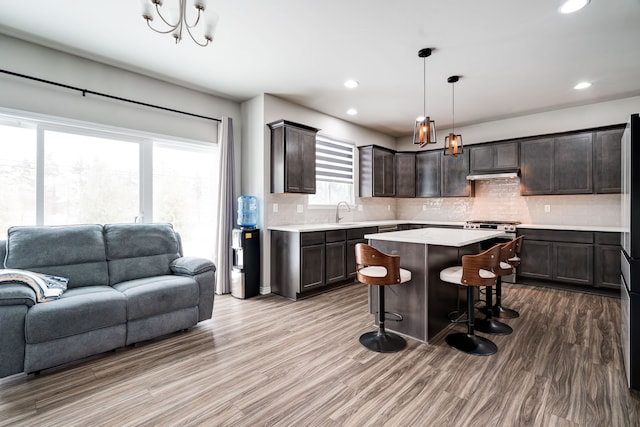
{"x": 338, "y": 217}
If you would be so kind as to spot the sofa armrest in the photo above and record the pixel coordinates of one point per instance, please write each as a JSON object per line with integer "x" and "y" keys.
{"x": 204, "y": 273}
{"x": 16, "y": 294}
{"x": 191, "y": 266}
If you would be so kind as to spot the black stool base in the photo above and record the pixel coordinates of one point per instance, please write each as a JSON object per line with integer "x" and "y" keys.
{"x": 472, "y": 344}
{"x": 504, "y": 313}
{"x": 492, "y": 326}
{"x": 385, "y": 342}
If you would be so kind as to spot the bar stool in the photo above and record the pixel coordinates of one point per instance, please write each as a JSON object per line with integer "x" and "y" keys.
{"x": 476, "y": 270}
{"x": 379, "y": 269}
{"x": 489, "y": 325}
{"x": 512, "y": 260}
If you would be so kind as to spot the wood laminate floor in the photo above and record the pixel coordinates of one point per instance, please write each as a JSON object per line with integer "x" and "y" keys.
{"x": 268, "y": 361}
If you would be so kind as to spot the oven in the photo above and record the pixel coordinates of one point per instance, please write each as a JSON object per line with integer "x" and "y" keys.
{"x": 509, "y": 228}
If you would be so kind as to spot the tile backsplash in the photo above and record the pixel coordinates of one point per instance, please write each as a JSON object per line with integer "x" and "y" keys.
{"x": 497, "y": 200}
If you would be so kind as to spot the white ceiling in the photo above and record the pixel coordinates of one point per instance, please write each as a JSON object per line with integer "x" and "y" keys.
{"x": 516, "y": 57}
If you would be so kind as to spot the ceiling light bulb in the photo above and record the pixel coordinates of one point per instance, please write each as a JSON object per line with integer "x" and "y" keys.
{"x": 582, "y": 85}
{"x": 351, "y": 84}
{"x": 571, "y": 6}
{"x": 352, "y": 111}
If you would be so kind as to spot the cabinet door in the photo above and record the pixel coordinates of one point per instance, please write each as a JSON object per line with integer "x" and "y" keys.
{"x": 535, "y": 259}
{"x": 573, "y": 160}
{"x": 607, "y": 267}
{"x": 428, "y": 167}
{"x": 300, "y": 161}
{"x": 405, "y": 174}
{"x": 536, "y": 167}
{"x": 573, "y": 263}
{"x": 335, "y": 262}
{"x": 481, "y": 158}
{"x": 607, "y": 152}
{"x": 311, "y": 266}
{"x": 351, "y": 257}
{"x": 506, "y": 156}
{"x": 383, "y": 172}
{"x": 454, "y": 175}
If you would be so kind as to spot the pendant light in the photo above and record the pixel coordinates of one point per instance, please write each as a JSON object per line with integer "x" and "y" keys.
{"x": 424, "y": 130}
{"x": 453, "y": 142}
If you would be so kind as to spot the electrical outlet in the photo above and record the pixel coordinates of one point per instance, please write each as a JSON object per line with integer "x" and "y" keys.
{"x": 359, "y": 208}
{"x": 424, "y": 206}
{"x": 275, "y": 207}
{"x": 547, "y": 208}
{"x": 299, "y": 208}
{"x": 389, "y": 208}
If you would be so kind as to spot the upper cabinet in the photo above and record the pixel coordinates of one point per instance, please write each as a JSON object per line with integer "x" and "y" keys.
{"x": 494, "y": 157}
{"x": 377, "y": 171}
{"x": 438, "y": 175}
{"x": 562, "y": 165}
{"x": 293, "y": 157}
{"x": 405, "y": 174}
{"x": 606, "y": 154}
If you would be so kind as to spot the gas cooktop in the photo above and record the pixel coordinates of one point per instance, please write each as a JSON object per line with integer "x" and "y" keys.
{"x": 494, "y": 225}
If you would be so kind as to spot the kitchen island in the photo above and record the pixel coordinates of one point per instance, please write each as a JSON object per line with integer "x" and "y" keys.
{"x": 426, "y": 302}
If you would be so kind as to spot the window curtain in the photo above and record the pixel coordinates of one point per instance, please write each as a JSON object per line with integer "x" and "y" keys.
{"x": 227, "y": 206}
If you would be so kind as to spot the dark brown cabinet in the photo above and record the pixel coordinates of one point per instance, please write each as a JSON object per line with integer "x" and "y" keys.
{"x": 405, "y": 170}
{"x": 293, "y": 157}
{"x": 454, "y": 176}
{"x": 377, "y": 172}
{"x": 438, "y": 175}
{"x": 428, "y": 173}
{"x": 606, "y": 154}
{"x": 573, "y": 257}
{"x": 335, "y": 256}
{"x": 562, "y": 165}
{"x": 607, "y": 261}
{"x": 494, "y": 157}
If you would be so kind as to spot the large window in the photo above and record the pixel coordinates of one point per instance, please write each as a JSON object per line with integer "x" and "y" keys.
{"x": 56, "y": 173}
{"x": 334, "y": 172}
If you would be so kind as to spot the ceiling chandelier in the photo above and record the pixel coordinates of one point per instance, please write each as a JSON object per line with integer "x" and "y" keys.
{"x": 176, "y": 23}
{"x": 424, "y": 130}
{"x": 453, "y": 142}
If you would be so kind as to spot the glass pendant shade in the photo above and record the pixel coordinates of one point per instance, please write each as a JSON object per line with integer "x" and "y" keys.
{"x": 424, "y": 131}
{"x": 452, "y": 145}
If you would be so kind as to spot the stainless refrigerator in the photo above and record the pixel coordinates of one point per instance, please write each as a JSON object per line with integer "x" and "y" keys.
{"x": 630, "y": 256}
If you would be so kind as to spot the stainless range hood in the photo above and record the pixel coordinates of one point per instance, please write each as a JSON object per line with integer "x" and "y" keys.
{"x": 501, "y": 175}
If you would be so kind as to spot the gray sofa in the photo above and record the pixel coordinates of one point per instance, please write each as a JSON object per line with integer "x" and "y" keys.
{"x": 127, "y": 283}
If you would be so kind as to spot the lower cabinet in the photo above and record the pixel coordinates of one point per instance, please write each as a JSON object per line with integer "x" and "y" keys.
{"x": 307, "y": 263}
{"x": 583, "y": 258}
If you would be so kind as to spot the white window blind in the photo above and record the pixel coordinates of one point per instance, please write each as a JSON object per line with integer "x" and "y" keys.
{"x": 334, "y": 160}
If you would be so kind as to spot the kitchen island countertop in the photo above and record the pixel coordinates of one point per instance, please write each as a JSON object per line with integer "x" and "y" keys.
{"x": 437, "y": 236}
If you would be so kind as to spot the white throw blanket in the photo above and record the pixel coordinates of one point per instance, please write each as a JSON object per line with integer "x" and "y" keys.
{"x": 46, "y": 287}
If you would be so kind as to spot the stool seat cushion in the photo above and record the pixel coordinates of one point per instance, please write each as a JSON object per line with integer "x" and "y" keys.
{"x": 454, "y": 275}
{"x": 505, "y": 265}
{"x": 379, "y": 271}
{"x": 514, "y": 259}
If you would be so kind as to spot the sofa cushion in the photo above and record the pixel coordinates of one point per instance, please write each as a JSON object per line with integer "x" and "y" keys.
{"x": 77, "y": 311}
{"x": 139, "y": 250}
{"x": 76, "y": 252}
{"x": 158, "y": 295}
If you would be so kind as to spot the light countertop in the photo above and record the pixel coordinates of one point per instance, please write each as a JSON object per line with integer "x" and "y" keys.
{"x": 572, "y": 227}
{"x": 437, "y": 236}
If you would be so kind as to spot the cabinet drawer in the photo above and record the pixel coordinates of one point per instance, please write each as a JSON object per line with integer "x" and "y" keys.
{"x": 312, "y": 238}
{"x": 606, "y": 238}
{"x": 358, "y": 233}
{"x": 556, "y": 235}
{"x": 335, "y": 236}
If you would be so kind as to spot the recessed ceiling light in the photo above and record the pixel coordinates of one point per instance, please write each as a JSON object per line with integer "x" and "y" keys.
{"x": 582, "y": 85}
{"x": 571, "y": 6}
{"x": 351, "y": 84}
{"x": 352, "y": 111}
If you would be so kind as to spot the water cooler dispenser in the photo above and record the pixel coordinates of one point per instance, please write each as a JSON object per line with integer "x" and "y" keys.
{"x": 245, "y": 240}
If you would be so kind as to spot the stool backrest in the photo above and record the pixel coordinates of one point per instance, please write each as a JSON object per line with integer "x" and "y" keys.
{"x": 518, "y": 246}
{"x": 472, "y": 264}
{"x": 507, "y": 251}
{"x": 367, "y": 256}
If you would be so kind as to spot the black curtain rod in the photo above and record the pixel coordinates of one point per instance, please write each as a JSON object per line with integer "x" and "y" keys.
{"x": 91, "y": 92}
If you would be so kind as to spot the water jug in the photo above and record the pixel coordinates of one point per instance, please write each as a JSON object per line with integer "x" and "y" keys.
{"x": 247, "y": 211}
